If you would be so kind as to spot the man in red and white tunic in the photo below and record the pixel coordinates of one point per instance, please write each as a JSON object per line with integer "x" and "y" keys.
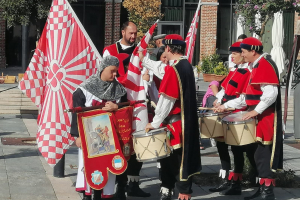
{"x": 177, "y": 110}
{"x": 263, "y": 98}
{"x": 123, "y": 49}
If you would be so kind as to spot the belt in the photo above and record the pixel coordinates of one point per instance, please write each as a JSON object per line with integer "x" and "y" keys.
{"x": 172, "y": 118}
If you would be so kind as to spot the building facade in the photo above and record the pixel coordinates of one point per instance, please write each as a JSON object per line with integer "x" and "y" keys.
{"x": 102, "y": 20}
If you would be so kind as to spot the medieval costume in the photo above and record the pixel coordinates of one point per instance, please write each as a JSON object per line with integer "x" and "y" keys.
{"x": 177, "y": 110}
{"x": 92, "y": 92}
{"x": 134, "y": 167}
{"x": 262, "y": 94}
{"x": 232, "y": 88}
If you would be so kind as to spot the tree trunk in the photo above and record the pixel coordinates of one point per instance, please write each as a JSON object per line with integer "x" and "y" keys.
{"x": 263, "y": 27}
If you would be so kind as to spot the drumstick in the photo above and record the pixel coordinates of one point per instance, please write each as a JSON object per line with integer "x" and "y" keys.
{"x": 203, "y": 108}
{"x": 153, "y": 104}
{"x": 147, "y": 130}
{"x": 82, "y": 109}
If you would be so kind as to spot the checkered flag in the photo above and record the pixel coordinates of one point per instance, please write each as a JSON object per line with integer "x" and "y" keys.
{"x": 64, "y": 58}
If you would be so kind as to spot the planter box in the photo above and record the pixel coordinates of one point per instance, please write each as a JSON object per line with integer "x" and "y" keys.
{"x": 208, "y": 77}
{"x": 213, "y": 77}
{"x": 220, "y": 77}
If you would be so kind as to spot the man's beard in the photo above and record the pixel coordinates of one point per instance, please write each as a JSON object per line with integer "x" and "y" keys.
{"x": 128, "y": 41}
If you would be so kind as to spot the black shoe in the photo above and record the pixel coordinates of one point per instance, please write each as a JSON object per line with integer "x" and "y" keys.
{"x": 256, "y": 194}
{"x": 97, "y": 195}
{"x": 134, "y": 190}
{"x": 268, "y": 193}
{"x": 87, "y": 198}
{"x": 234, "y": 189}
{"x": 120, "y": 193}
{"x": 224, "y": 186}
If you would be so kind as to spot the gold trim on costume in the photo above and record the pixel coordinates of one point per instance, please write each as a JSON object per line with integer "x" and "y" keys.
{"x": 275, "y": 124}
{"x": 177, "y": 146}
{"x": 117, "y": 48}
{"x": 182, "y": 118}
{"x": 274, "y": 139}
{"x": 259, "y": 139}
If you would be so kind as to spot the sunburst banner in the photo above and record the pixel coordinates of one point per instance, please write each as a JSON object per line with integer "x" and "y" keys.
{"x": 64, "y": 58}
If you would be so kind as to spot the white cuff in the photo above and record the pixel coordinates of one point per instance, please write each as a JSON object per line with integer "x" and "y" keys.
{"x": 225, "y": 105}
{"x": 157, "y": 120}
{"x": 261, "y": 107}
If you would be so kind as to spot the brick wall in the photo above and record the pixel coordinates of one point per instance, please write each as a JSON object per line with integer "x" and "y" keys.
{"x": 2, "y": 42}
{"x": 109, "y": 23}
{"x": 208, "y": 30}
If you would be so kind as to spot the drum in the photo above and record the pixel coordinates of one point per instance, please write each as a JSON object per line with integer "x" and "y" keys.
{"x": 211, "y": 124}
{"x": 152, "y": 145}
{"x": 237, "y": 131}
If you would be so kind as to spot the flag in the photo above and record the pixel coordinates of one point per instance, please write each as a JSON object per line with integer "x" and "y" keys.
{"x": 64, "y": 58}
{"x": 191, "y": 35}
{"x": 134, "y": 83}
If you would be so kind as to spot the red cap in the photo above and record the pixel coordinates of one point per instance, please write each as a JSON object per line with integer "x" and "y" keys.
{"x": 173, "y": 39}
{"x": 252, "y": 43}
{"x": 236, "y": 47}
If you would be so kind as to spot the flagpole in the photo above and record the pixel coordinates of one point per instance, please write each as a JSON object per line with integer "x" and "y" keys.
{"x": 189, "y": 47}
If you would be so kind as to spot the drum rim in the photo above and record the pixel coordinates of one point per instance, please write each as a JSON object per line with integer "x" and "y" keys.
{"x": 239, "y": 122}
{"x": 150, "y": 133}
{"x": 201, "y": 115}
{"x": 153, "y": 159}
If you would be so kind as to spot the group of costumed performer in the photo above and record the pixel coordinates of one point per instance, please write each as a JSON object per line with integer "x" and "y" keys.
{"x": 232, "y": 87}
{"x": 177, "y": 110}
{"x": 263, "y": 100}
{"x": 123, "y": 49}
{"x": 102, "y": 88}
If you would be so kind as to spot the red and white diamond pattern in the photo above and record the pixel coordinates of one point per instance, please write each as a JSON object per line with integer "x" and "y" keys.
{"x": 64, "y": 58}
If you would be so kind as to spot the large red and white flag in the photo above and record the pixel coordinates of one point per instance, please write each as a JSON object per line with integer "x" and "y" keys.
{"x": 134, "y": 83}
{"x": 191, "y": 35}
{"x": 64, "y": 58}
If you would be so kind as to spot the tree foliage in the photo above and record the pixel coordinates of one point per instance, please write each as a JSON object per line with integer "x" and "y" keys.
{"x": 143, "y": 13}
{"x": 24, "y": 11}
{"x": 256, "y": 13}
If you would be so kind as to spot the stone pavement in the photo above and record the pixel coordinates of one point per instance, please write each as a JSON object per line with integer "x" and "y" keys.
{"x": 24, "y": 173}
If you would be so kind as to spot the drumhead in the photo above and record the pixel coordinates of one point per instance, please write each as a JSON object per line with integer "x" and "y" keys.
{"x": 142, "y": 133}
{"x": 236, "y": 118}
{"x": 211, "y": 113}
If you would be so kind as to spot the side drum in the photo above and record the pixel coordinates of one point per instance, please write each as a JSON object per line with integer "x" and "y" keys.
{"x": 152, "y": 145}
{"x": 211, "y": 124}
{"x": 239, "y": 132}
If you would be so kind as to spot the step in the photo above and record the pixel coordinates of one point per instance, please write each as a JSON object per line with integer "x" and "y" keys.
{"x": 16, "y": 103}
{"x": 4, "y": 95}
{"x": 290, "y": 117}
{"x": 33, "y": 112}
{"x": 15, "y": 99}
{"x": 33, "y": 107}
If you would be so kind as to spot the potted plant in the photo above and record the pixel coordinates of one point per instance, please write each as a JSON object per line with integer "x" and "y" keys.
{"x": 213, "y": 68}
{"x": 221, "y": 71}
{"x": 208, "y": 63}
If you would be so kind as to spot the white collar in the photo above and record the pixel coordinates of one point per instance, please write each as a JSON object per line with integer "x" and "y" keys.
{"x": 257, "y": 60}
{"x": 124, "y": 46}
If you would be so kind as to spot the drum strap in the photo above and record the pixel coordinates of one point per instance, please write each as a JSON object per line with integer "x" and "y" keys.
{"x": 172, "y": 118}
